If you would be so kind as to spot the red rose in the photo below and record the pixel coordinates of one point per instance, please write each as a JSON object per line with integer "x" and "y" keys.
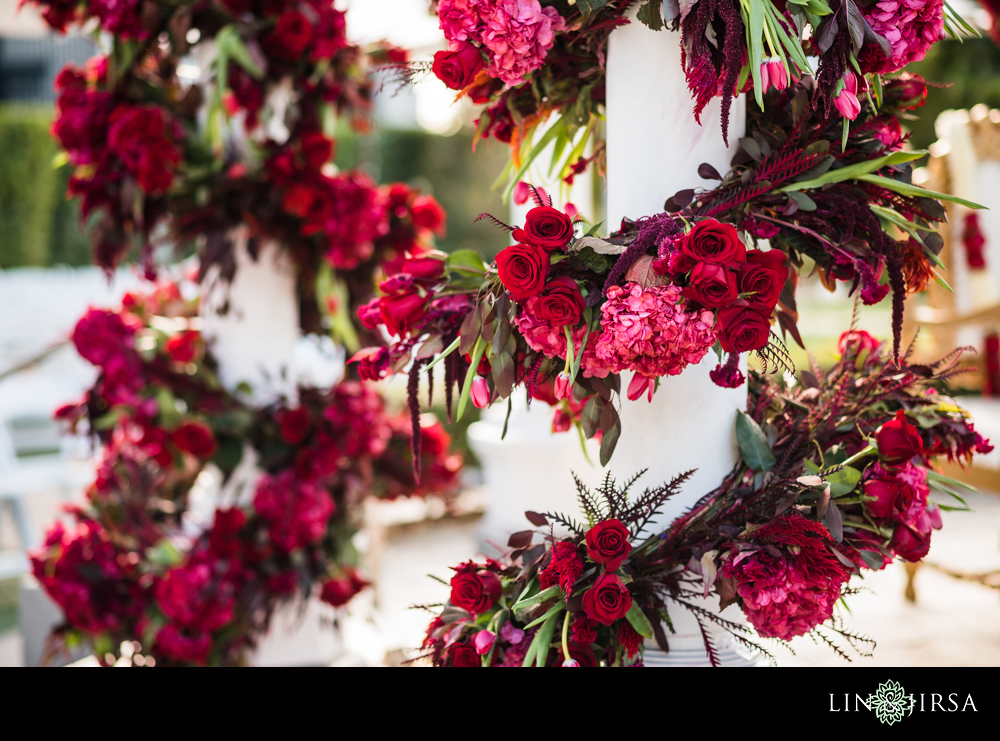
{"x": 462, "y": 654}
{"x": 292, "y": 34}
{"x": 340, "y": 591}
{"x": 744, "y": 328}
{"x": 458, "y": 69}
{"x": 401, "y": 313}
{"x": 523, "y": 269}
{"x": 316, "y": 149}
{"x": 295, "y": 425}
{"x": 607, "y": 600}
{"x": 560, "y": 304}
{"x": 482, "y": 94}
{"x": 607, "y": 544}
{"x": 898, "y": 441}
{"x": 710, "y": 241}
{"x": 428, "y": 214}
{"x": 886, "y": 490}
{"x": 195, "y": 438}
{"x": 583, "y": 655}
{"x": 763, "y": 276}
{"x": 859, "y": 338}
{"x": 183, "y": 347}
{"x": 475, "y": 591}
{"x": 424, "y": 268}
{"x": 712, "y": 286}
{"x": 909, "y": 544}
{"x": 546, "y": 227}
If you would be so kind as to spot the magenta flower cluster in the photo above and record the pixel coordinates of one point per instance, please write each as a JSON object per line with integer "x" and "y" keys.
{"x": 910, "y": 26}
{"x": 516, "y": 34}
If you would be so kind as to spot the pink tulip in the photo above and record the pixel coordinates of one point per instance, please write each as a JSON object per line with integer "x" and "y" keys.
{"x": 571, "y": 662}
{"x": 640, "y": 385}
{"x": 571, "y": 211}
{"x": 765, "y": 76}
{"x": 484, "y": 641}
{"x": 777, "y": 74}
{"x": 522, "y": 192}
{"x": 563, "y": 385}
{"x": 480, "y": 392}
{"x": 847, "y": 100}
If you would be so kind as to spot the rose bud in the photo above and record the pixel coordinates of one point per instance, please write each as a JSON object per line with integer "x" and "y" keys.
{"x": 710, "y": 241}
{"x": 909, "y": 90}
{"x": 482, "y": 94}
{"x": 607, "y": 601}
{"x": 424, "y": 268}
{"x": 571, "y": 662}
{"x": 401, "y": 313}
{"x": 608, "y": 544}
{"x": 546, "y": 227}
{"x": 561, "y": 303}
{"x": 522, "y": 192}
{"x": 370, "y": 314}
{"x": 292, "y": 34}
{"x": 712, "y": 286}
{"x": 908, "y": 544}
{"x": 847, "y": 99}
{"x": 744, "y": 328}
{"x": 523, "y": 269}
{"x": 934, "y": 515}
{"x": 464, "y": 655}
{"x": 563, "y": 385}
{"x": 483, "y": 641}
{"x": 475, "y": 591}
{"x": 763, "y": 276}
{"x": 183, "y": 347}
{"x": 898, "y": 441}
{"x": 458, "y": 69}
{"x": 480, "y": 392}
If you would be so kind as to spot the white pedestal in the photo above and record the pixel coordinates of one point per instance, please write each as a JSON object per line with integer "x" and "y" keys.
{"x": 654, "y": 150}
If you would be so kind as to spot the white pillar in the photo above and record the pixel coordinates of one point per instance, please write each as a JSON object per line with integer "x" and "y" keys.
{"x": 532, "y": 468}
{"x": 654, "y": 149}
{"x": 257, "y": 341}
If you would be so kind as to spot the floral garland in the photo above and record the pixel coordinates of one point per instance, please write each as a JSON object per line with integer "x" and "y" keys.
{"x": 836, "y": 477}
{"x": 209, "y": 116}
{"x": 144, "y": 562}
{"x": 565, "y": 314}
{"x": 529, "y": 59}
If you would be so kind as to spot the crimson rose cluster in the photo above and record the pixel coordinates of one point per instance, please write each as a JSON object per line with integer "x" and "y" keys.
{"x": 153, "y": 557}
{"x": 837, "y": 477}
{"x": 161, "y": 154}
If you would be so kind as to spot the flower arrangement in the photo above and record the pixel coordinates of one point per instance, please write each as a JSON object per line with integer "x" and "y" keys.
{"x": 529, "y": 59}
{"x": 565, "y": 313}
{"x": 209, "y": 116}
{"x": 193, "y": 578}
{"x": 836, "y": 477}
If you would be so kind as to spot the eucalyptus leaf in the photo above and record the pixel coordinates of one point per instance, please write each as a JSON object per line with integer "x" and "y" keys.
{"x": 753, "y": 443}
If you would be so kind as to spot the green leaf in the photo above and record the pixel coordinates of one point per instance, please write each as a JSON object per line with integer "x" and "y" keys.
{"x": 555, "y": 609}
{"x": 444, "y": 354}
{"x": 228, "y": 41}
{"x": 804, "y": 202}
{"x": 544, "y": 595}
{"x": 915, "y": 190}
{"x": 753, "y": 443}
{"x": 536, "y": 149}
{"x": 755, "y": 44}
{"x": 651, "y": 15}
{"x": 843, "y": 481}
{"x": 860, "y": 171}
{"x": 608, "y": 442}
{"x": 465, "y": 261}
{"x": 477, "y": 355}
{"x": 639, "y": 621}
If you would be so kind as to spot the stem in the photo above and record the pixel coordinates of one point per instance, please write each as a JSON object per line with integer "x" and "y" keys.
{"x": 565, "y": 636}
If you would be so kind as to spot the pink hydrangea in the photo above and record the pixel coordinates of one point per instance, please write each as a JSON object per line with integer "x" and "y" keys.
{"x": 542, "y": 337}
{"x": 518, "y": 34}
{"x": 648, "y": 330}
{"x": 461, "y": 20}
{"x": 788, "y": 578}
{"x": 910, "y": 27}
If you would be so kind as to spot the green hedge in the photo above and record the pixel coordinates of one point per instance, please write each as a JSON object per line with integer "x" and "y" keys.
{"x": 38, "y": 226}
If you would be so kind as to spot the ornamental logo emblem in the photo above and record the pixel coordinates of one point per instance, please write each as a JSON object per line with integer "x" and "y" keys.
{"x": 890, "y": 702}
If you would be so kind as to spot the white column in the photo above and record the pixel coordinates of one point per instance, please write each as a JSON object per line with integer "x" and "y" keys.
{"x": 531, "y": 468}
{"x": 654, "y": 149}
{"x": 256, "y": 340}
